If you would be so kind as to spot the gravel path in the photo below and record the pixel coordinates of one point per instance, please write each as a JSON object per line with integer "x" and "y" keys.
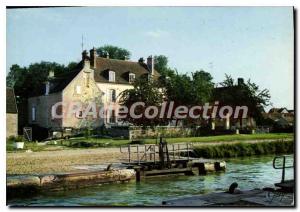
{"x": 58, "y": 161}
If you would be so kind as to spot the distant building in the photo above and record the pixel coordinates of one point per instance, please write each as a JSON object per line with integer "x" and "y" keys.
{"x": 11, "y": 113}
{"x": 281, "y": 116}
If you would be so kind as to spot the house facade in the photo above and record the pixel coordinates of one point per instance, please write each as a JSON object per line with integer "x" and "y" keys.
{"x": 95, "y": 79}
{"x": 11, "y": 113}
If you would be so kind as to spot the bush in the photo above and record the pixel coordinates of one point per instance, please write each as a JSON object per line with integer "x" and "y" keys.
{"x": 18, "y": 138}
{"x": 82, "y": 144}
{"x": 244, "y": 149}
{"x": 137, "y": 142}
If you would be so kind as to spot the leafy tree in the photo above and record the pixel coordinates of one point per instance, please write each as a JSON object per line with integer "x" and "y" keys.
{"x": 27, "y": 80}
{"x": 247, "y": 94}
{"x": 114, "y": 52}
{"x": 202, "y": 87}
{"x": 195, "y": 90}
{"x": 161, "y": 65}
{"x": 228, "y": 82}
{"x": 146, "y": 91}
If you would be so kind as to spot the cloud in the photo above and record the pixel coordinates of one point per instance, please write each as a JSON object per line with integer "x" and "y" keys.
{"x": 157, "y": 33}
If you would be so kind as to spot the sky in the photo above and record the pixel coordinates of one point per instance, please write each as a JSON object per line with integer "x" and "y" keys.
{"x": 247, "y": 42}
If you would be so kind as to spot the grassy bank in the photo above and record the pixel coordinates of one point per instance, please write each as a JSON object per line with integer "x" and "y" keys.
{"x": 110, "y": 142}
{"x": 244, "y": 149}
{"x": 104, "y": 142}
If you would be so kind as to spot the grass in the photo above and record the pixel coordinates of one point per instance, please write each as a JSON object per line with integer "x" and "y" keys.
{"x": 228, "y": 138}
{"x": 108, "y": 142}
{"x": 244, "y": 149}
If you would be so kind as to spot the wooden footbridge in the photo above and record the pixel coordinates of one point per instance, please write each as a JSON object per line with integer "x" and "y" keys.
{"x": 166, "y": 159}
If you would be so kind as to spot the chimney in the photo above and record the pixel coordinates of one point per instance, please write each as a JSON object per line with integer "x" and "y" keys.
{"x": 107, "y": 55}
{"x": 86, "y": 64}
{"x": 141, "y": 60}
{"x": 150, "y": 64}
{"x": 93, "y": 56}
{"x": 84, "y": 55}
{"x": 240, "y": 81}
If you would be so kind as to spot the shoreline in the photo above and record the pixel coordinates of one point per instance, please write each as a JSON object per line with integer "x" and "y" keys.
{"x": 68, "y": 160}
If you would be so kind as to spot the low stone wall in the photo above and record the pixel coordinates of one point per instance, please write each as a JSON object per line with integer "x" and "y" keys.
{"x": 166, "y": 132}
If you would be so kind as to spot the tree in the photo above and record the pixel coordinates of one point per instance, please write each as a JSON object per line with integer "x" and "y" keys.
{"x": 202, "y": 87}
{"x": 114, "y": 52}
{"x": 27, "y": 80}
{"x": 195, "y": 90}
{"x": 243, "y": 94}
{"x": 148, "y": 92}
{"x": 161, "y": 66}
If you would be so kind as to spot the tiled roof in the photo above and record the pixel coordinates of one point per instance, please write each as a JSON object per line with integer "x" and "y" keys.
{"x": 11, "y": 105}
{"x": 122, "y": 68}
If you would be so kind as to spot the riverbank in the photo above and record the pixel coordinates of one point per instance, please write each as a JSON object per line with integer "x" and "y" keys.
{"x": 70, "y": 160}
{"x": 242, "y": 149}
{"x": 76, "y": 143}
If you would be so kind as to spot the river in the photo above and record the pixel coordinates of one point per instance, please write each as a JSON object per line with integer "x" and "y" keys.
{"x": 249, "y": 173}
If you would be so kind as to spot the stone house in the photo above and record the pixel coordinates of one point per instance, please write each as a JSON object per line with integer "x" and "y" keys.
{"x": 11, "y": 113}
{"x": 95, "y": 79}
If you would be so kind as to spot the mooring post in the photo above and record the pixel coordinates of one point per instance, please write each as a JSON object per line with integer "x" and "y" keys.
{"x": 129, "y": 153}
{"x": 138, "y": 174}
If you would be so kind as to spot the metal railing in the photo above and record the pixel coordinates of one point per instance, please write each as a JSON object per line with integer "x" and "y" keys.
{"x": 150, "y": 152}
{"x": 283, "y": 165}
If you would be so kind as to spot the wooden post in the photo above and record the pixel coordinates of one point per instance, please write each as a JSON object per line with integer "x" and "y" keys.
{"x": 187, "y": 145}
{"x": 138, "y": 174}
{"x": 201, "y": 167}
{"x": 217, "y": 166}
{"x": 283, "y": 170}
{"x": 138, "y": 153}
{"x": 129, "y": 153}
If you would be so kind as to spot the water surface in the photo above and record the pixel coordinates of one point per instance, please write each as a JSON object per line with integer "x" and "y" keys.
{"x": 249, "y": 173}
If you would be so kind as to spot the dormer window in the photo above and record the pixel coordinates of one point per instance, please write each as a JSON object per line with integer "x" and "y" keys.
{"x": 131, "y": 77}
{"x": 111, "y": 76}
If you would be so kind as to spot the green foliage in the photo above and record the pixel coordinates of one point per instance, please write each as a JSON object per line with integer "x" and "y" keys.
{"x": 27, "y": 80}
{"x": 146, "y": 91}
{"x": 247, "y": 94}
{"x": 87, "y": 132}
{"x": 161, "y": 65}
{"x": 244, "y": 149}
{"x": 114, "y": 52}
{"x": 137, "y": 142}
{"x": 18, "y": 138}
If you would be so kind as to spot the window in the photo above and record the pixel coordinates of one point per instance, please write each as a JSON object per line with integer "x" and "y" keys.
{"x": 79, "y": 114}
{"x": 112, "y": 117}
{"x": 131, "y": 77}
{"x": 33, "y": 113}
{"x": 78, "y": 89}
{"x": 111, "y": 76}
{"x": 112, "y": 95}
